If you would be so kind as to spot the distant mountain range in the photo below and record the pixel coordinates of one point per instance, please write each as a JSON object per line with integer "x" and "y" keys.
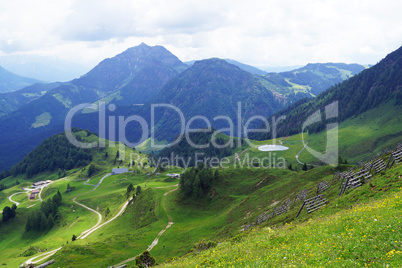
{"x": 314, "y": 77}
{"x": 12, "y": 101}
{"x": 10, "y": 82}
{"x": 44, "y": 68}
{"x": 369, "y": 89}
{"x": 245, "y": 67}
{"x": 147, "y": 75}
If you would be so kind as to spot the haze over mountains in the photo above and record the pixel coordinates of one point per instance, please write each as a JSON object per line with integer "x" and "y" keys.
{"x": 44, "y": 68}
{"x": 10, "y": 82}
{"x": 146, "y": 75}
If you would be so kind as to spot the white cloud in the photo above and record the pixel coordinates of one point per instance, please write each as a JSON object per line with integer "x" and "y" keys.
{"x": 277, "y": 33}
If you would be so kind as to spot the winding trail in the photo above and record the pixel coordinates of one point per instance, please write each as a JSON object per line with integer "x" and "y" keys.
{"x": 84, "y": 234}
{"x": 33, "y": 205}
{"x": 96, "y": 227}
{"x": 237, "y": 156}
{"x": 99, "y": 183}
{"x": 44, "y": 256}
{"x": 297, "y": 156}
{"x": 15, "y": 202}
{"x": 39, "y": 195}
{"x": 96, "y": 212}
{"x": 156, "y": 240}
{"x": 166, "y": 186}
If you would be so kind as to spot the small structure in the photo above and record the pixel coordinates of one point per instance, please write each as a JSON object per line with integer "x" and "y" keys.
{"x": 313, "y": 204}
{"x": 117, "y": 171}
{"x": 32, "y": 196}
{"x": 39, "y": 183}
{"x": 322, "y": 186}
{"x": 36, "y": 191}
{"x": 173, "y": 175}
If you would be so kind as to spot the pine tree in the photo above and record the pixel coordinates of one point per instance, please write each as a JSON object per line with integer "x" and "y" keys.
{"x": 145, "y": 260}
{"x": 304, "y": 167}
{"x": 91, "y": 170}
{"x": 50, "y": 222}
{"x": 216, "y": 175}
{"x": 138, "y": 191}
{"x": 42, "y": 221}
{"x": 130, "y": 188}
{"x": 28, "y": 224}
{"x": 107, "y": 212}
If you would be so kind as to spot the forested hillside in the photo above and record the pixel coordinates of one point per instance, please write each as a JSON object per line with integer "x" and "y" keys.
{"x": 371, "y": 88}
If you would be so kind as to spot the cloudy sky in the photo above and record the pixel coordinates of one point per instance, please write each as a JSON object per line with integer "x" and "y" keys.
{"x": 261, "y": 33}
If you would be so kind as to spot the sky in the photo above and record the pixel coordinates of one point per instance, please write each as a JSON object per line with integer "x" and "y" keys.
{"x": 259, "y": 33}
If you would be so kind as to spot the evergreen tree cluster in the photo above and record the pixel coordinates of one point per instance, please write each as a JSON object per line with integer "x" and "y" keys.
{"x": 43, "y": 219}
{"x": 4, "y": 174}
{"x": 54, "y": 153}
{"x": 196, "y": 181}
{"x": 145, "y": 259}
{"x": 9, "y": 213}
{"x": 2, "y": 187}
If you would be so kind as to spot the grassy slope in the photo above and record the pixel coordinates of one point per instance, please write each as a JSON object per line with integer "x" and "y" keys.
{"x": 237, "y": 198}
{"x": 360, "y": 228}
{"x": 359, "y": 138}
{"x": 14, "y": 241}
{"x": 364, "y": 135}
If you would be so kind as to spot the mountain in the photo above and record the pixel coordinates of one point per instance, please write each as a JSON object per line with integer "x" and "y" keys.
{"x": 244, "y": 67}
{"x": 279, "y": 69}
{"x": 211, "y": 88}
{"x": 14, "y": 100}
{"x": 135, "y": 79}
{"x": 10, "y": 82}
{"x": 373, "y": 87}
{"x": 131, "y": 77}
{"x": 312, "y": 78}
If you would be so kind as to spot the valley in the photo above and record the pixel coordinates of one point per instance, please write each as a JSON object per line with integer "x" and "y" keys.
{"x": 309, "y": 189}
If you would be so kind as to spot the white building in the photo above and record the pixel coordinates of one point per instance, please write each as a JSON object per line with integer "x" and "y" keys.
{"x": 117, "y": 171}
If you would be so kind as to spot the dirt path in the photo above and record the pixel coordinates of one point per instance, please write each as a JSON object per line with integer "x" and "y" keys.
{"x": 166, "y": 186}
{"x": 83, "y": 234}
{"x": 99, "y": 183}
{"x": 40, "y": 194}
{"x": 237, "y": 156}
{"x": 99, "y": 217}
{"x": 93, "y": 229}
{"x": 297, "y": 156}
{"x": 15, "y": 202}
{"x": 42, "y": 256}
{"x": 156, "y": 240}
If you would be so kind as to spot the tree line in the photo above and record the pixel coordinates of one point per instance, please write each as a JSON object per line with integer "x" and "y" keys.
{"x": 44, "y": 219}
{"x": 9, "y": 213}
{"x": 195, "y": 182}
{"x": 54, "y": 153}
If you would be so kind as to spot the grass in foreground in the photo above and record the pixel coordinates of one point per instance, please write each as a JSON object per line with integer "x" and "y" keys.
{"x": 366, "y": 235}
